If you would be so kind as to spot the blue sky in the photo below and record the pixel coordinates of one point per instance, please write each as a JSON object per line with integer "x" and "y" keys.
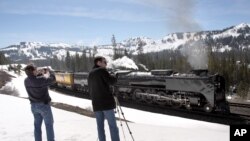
{"x": 92, "y": 22}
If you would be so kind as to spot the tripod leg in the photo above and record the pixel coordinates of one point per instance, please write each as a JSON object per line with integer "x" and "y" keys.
{"x": 119, "y": 107}
{"x": 121, "y": 123}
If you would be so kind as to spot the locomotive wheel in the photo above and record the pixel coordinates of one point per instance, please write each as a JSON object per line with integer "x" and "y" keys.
{"x": 149, "y": 99}
{"x": 160, "y": 101}
{"x": 125, "y": 96}
{"x": 137, "y": 97}
{"x": 188, "y": 106}
{"x": 208, "y": 108}
{"x": 175, "y": 104}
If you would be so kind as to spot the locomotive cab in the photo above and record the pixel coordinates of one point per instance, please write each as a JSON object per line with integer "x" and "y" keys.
{"x": 220, "y": 96}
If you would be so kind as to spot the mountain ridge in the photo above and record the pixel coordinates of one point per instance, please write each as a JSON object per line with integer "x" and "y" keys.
{"x": 230, "y": 38}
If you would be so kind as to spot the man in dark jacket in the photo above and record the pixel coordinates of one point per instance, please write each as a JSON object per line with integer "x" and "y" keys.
{"x": 103, "y": 102}
{"x": 37, "y": 88}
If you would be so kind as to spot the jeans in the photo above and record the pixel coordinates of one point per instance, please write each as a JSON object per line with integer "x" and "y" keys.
{"x": 110, "y": 116}
{"x": 42, "y": 112}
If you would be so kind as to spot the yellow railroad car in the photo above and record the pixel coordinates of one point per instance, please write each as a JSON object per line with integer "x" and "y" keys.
{"x": 64, "y": 79}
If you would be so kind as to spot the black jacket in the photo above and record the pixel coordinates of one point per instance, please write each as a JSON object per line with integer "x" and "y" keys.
{"x": 99, "y": 81}
{"x": 37, "y": 88}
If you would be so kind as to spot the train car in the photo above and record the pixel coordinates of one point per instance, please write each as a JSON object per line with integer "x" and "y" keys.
{"x": 80, "y": 81}
{"x": 65, "y": 79}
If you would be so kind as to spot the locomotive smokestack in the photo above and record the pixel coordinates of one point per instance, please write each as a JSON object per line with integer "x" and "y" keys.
{"x": 200, "y": 72}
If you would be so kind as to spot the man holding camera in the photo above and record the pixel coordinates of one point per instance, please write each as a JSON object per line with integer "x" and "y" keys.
{"x": 103, "y": 102}
{"x": 37, "y": 88}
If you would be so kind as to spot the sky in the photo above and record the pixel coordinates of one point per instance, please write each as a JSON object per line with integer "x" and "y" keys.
{"x": 93, "y": 22}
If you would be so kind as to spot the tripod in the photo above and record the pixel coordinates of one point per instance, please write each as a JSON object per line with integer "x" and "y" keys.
{"x": 118, "y": 106}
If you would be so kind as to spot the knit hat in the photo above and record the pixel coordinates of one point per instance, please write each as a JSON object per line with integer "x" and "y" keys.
{"x": 29, "y": 69}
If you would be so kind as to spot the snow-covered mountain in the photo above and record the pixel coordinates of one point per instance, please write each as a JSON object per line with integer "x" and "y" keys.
{"x": 38, "y": 50}
{"x": 235, "y": 37}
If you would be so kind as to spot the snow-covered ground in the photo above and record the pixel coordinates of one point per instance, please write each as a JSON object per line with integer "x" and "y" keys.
{"x": 16, "y": 122}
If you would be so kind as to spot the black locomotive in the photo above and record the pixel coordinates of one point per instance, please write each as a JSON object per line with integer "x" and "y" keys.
{"x": 161, "y": 87}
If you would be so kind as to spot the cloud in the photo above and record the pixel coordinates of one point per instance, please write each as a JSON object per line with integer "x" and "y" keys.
{"x": 107, "y": 13}
{"x": 179, "y": 15}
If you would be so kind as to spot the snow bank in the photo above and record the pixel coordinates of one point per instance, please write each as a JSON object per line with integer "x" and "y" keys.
{"x": 17, "y": 125}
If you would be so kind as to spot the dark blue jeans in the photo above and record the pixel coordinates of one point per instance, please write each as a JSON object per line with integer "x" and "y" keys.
{"x": 43, "y": 112}
{"x": 110, "y": 116}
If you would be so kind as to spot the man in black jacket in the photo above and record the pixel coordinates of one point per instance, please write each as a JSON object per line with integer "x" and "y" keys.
{"x": 103, "y": 102}
{"x": 37, "y": 88}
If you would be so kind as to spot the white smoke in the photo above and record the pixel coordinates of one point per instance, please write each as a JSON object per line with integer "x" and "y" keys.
{"x": 179, "y": 14}
{"x": 197, "y": 54}
{"x": 181, "y": 17}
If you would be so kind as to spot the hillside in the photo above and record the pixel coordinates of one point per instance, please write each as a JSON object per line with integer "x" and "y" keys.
{"x": 231, "y": 38}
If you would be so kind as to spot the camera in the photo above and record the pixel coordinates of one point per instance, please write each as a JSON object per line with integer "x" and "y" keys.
{"x": 42, "y": 71}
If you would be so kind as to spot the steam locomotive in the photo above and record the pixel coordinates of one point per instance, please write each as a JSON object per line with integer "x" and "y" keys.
{"x": 161, "y": 87}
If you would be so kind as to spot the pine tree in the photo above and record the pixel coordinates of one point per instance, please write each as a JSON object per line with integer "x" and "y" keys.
{"x": 115, "y": 49}
{"x": 19, "y": 69}
{"x": 94, "y": 51}
{"x": 3, "y": 59}
{"x": 68, "y": 61}
{"x": 141, "y": 56}
{"x": 113, "y": 41}
{"x": 83, "y": 61}
{"x": 243, "y": 89}
{"x": 77, "y": 62}
{"x": 72, "y": 64}
{"x": 55, "y": 63}
{"x": 126, "y": 53}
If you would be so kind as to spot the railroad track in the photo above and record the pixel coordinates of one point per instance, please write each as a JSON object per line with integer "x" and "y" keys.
{"x": 240, "y": 109}
{"x": 70, "y": 92}
{"x": 243, "y": 105}
{"x": 196, "y": 114}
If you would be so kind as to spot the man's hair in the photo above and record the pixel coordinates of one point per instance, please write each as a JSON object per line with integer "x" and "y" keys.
{"x": 98, "y": 58}
{"x": 29, "y": 69}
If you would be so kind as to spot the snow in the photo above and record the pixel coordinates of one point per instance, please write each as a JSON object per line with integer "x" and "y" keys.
{"x": 171, "y": 42}
{"x": 17, "y": 122}
{"x": 4, "y": 67}
{"x": 232, "y": 31}
{"x": 225, "y": 48}
{"x": 105, "y": 50}
{"x": 41, "y": 58}
{"x": 9, "y": 48}
{"x": 242, "y": 25}
{"x": 63, "y": 45}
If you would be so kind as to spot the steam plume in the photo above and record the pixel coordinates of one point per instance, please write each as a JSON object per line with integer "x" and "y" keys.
{"x": 196, "y": 53}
